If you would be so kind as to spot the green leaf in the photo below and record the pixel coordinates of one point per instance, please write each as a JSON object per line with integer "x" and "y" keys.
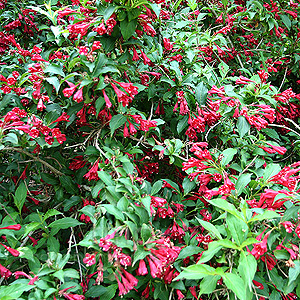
{"x": 236, "y": 284}
{"x": 113, "y": 210}
{"x": 90, "y": 211}
{"x": 238, "y": 228}
{"x": 195, "y": 272}
{"x": 208, "y": 284}
{"x": 156, "y": 187}
{"x": 201, "y": 93}
{"x": 147, "y": 201}
{"x": 133, "y": 229}
{"x": 223, "y": 204}
{"x": 271, "y": 170}
{"x": 247, "y": 267}
{"x": 243, "y": 126}
{"x": 128, "y": 28}
{"x": 210, "y": 227}
{"x": 242, "y": 182}
{"x": 68, "y": 183}
{"x": 98, "y": 68}
{"x": 294, "y": 271}
{"x": 188, "y": 185}
{"x": 31, "y": 227}
{"x": 189, "y": 251}
{"x": 146, "y": 232}
{"x": 106, "y": 178}
{"x": 55, "y": 69}
{"x": 12, "y": 138}
{"x": 20, "y": 196}
{"x": 55, "y": 82}
{"x": 50, "y": 213}
{"x": 228, "y": 155}
{"x": 286, "y": 20}
{"x": 65, "y": 223}
{"x": 267, "y": 214}
{"x": 101, "y": 291}
{"x": 213, "y": 248}
{"x": 139, "y": 254}
{"x": 115, "y": 122}
{"x": 183, "y": 123}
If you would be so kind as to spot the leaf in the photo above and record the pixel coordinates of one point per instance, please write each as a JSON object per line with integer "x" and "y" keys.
{"x": 213, "y": 248}
{"x": 238, "y": 228}
{"x": 201, "y": 93}
{"x": 55, "y": 82}
{"x": 243, "y": 126}
{"x": 98, "y": 68}
{"x": 294, "y": 271}
{"x": 90, "y": 211}
{"x": 113, "y": 210}
{"x": 147, "y": 201}
{"x": 267, "y": 214}
{"x": 286, "y": 20}
{"x": 271, "y": 170}
{"x": 106, "y": 178}
{"x": 223, "y": 204}
{"x": 146, "y": 232}
{"x": 210, "y": 227}
{"x": 188, "y": 185}
{"x": 50, "y": 213}
{"x": 139, "y": 254}
{"x": 68, "y": 183}
{"x": 133, "y": 229}
{"x": 20, "y": 196}
{"x": 156, "y": 187}
{"x": 189, "y": 251}
{"x": 247, "y": 267}
{"x": 228, "y": 155}
{"x": 65, "y": 223}
{"x": 208, "y": 284}
{"x": 236, "y": 284}
{"x": 12, "y": 138}
{"x": 55, "y": 69}
{"x": 128, "y": 28}
{"x": 115, "y": 122}
{"x": 101, "y": 291}
{"x": 242, "y": 182}
{"x": 183, "y": 123}
{"x": 195, "y": 272}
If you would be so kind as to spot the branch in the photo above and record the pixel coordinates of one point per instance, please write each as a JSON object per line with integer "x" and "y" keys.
{"x": 55, "y": 171}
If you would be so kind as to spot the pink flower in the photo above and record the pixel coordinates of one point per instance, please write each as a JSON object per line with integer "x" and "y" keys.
{"x": 78, "y": 96}
{"x": 297, "y": 231}
{"x": 4, "y": 272}
{"x": 12, "y": 227}
{"x": 92, "y": 174}
{"x": 179, "y": 294}
{"x": 68, "y": 92}
{"x": 63, "y": 117}
{"x": 89, "y": 259}
{"x": 243, "y": 80}
{"x": 107, "y": 101}
{"x": 101, "y": 29}
{"x": 122, "y": 289}
{"x": 122, "y": 96}
{"x": 288, "y": 226}
{"x": 40, "y": 105}
{"x": 142, "y": 269}
{"x": 278, "y": 149}
{"x": 260, "y": 248}
{"x": 12, "y": 251}
{"x": 135, "y": 54}
{"x": 96, "y": 45}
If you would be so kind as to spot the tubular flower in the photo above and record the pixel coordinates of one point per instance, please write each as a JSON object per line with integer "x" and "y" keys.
{"x": 122, "y": 96}
{"x": 4, "y": 272}
{"x": 12, "y": 251}
{"x": 260, "y": 248}
{"x": 12, "y": 227}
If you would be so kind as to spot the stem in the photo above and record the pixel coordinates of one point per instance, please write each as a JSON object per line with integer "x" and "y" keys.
{"x": 55, "y": 171}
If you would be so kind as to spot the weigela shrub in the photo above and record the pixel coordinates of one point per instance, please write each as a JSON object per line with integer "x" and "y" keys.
{"x": 149, "y": 149}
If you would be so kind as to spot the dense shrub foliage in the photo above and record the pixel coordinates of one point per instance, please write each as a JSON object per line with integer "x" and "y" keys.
{"x": 149, "y": 149}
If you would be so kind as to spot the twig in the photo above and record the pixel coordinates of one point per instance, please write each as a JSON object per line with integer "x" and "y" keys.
{"x": 77, "y": 254}
{"x": 284, "y": 127}
{"x": 210, "y": 129}
{"x": 8, "y": 213}
{"x": 282, "y": 82}
{"x": 55, "y": 171}
{"x": 249, "y": 165}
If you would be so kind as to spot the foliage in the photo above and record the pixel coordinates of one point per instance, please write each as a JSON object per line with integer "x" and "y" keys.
{"x": 149, "y": 148}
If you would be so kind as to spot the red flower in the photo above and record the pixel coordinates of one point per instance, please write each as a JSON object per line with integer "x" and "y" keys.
{"x": 107, "y": 101}
{"x": 122, "y": 96}
{"x": 4, "y": 272}
{"x": 12, "y": 251}
{"x": 142, "y": 269}
{"x": 12, "y": 227}
{"x": 92, "y": 174}
{"x": 78, "y": 97}
{"x": 68, "y": 92}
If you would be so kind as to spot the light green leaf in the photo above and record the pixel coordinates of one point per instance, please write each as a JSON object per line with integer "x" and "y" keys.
{"x": 210, "y": 227}
{"x": 247, "y": 267}
{"x": 236, "y": 284}
{"x": 65, "y": 223}
{"x": 20, "y": 196}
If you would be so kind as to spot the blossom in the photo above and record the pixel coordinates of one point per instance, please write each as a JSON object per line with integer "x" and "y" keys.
{"x": 122, "y": 289}
{"x": 68, "y": 92}
{"x": 78, "y": 97}
{"x": 288, "y": 226}
{"x": 122, "y": 96}
{"x": 92, "y": 174}
{"x": 12, "y": 227}
{"x": 89, "y": 259}
{"x": 4, "y": 272}
{"x": 260, "y": 248}
{"x": 12, "y": 251}
{"x": 107, "y": 101}
{"x": 142, "y": 269}
{"x": 63, "y": 117}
